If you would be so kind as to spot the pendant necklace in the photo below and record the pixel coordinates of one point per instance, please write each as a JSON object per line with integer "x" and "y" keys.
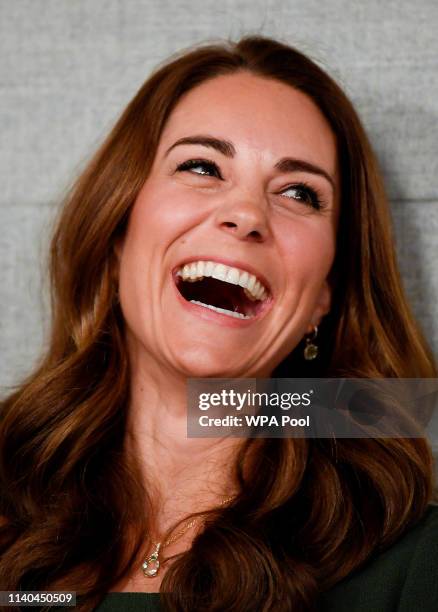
{"x": 151, "y": 565}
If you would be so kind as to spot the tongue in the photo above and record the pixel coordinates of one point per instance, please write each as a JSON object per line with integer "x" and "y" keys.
{"x": 216, "y": 293}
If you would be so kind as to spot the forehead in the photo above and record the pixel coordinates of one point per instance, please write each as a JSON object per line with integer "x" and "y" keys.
{"x": 263, "y": 116}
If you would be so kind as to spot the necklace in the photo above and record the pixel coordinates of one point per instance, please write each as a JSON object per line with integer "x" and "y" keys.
{"x": 151, "y": 565}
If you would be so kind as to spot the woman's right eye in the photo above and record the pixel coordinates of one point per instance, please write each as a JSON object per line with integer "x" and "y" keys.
{"x": 200, "y": 166}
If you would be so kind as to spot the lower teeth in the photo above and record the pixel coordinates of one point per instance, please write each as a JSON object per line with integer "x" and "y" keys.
{"x": 236, "y": 315}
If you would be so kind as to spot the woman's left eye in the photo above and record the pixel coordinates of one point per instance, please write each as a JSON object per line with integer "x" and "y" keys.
{"x": 304, "y": 193}
{"x": 202, "y": 167}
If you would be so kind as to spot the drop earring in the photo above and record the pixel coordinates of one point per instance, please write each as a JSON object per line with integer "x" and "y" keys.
{"x": 311, "y": 349}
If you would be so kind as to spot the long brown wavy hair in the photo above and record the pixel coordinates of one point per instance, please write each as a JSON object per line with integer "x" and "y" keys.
{"x": 309, "y": 512}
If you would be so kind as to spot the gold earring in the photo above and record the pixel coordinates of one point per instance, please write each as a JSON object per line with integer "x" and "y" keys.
{"x": 311, "y": 350}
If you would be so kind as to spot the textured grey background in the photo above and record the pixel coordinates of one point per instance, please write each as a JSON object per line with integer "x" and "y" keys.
{"x": 69, "y": 67}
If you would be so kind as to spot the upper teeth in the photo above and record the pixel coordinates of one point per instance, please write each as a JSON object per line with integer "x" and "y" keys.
{"x": 197, "y": 270}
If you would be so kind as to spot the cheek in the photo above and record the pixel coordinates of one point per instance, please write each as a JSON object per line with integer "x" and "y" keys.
{"x": 308, "y": 250}
{"x": 165, "y": 210}
{"x": 160, "y": 215}
{"x": 156, "y": 220}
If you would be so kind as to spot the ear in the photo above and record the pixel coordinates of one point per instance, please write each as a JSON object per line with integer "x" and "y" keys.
{"x": 322, "y": 305}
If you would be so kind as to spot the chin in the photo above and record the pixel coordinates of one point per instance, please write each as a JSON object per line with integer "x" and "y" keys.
{"x": 201, "y": 364}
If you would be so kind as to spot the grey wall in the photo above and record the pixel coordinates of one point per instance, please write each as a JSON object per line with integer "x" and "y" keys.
{"x": 68, "y": 68}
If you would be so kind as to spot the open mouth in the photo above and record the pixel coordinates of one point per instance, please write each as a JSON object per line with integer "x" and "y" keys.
{"x": 230, "y": 291}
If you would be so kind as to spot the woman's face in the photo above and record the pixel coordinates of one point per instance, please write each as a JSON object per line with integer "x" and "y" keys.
{"x": 246, "y": 176}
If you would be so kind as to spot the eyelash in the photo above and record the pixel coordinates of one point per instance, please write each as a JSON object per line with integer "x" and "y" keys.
{"x": 194, "y": 163}
{"x": 316, "y": 200}
{"x": 314, "y": 195}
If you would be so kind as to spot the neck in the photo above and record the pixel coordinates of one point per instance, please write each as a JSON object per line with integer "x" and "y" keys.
{"x": 182, "y": 475}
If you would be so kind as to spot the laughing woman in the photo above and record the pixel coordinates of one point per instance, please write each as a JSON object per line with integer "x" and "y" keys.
{"x": 247, "y": 165}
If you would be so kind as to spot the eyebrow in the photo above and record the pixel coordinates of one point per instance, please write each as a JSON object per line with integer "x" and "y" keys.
{"x": 223, "y": 146}
{"x": 286, "y": 164}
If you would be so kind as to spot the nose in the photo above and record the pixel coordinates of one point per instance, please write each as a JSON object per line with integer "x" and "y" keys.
{"x": 245, "y": 217}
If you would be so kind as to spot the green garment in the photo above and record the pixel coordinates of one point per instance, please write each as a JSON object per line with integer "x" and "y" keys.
{"x": 402, "y": 579}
